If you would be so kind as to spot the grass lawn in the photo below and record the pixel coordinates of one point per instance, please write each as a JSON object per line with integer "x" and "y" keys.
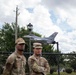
{"x": 64, "y": 73}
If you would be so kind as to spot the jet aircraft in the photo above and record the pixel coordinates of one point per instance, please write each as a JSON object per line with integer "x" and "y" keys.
{"x": 48, "y": 40}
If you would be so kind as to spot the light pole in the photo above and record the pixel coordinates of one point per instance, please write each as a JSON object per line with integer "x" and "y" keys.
{"x": 29, "y": 28}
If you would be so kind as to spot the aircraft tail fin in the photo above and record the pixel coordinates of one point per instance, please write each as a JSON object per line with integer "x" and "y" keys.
{"x": 51, "y": 37}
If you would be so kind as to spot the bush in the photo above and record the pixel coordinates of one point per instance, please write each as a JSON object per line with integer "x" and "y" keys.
{"x": 51, "y": 70}
{"x": 1, "y": 69}
{"x": 68, "y": 70}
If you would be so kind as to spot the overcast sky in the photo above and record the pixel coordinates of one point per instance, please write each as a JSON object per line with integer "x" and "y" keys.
{"x": 47, "y": 16}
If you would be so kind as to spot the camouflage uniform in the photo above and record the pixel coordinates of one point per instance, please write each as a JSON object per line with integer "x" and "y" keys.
{"x": 15, "y": 63}
{"x": 38, "y": 66}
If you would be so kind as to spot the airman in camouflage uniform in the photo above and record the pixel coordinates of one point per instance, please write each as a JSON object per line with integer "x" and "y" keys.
{"x": 38, "y": 65}
{"x": 15, "y": 63}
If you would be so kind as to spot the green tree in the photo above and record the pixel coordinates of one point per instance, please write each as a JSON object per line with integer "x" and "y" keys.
{"x": 72, "y": 60}
{"x": 7, "y": 36}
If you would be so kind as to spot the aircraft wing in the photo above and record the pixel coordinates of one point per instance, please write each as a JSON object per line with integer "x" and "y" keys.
{"x": 33, "y": 37}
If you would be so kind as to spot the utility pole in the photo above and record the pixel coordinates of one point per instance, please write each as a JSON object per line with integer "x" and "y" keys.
{"x": 16, "y": 23}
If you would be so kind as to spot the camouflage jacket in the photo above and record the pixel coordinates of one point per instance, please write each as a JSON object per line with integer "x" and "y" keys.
{"x": 15, "y": 65}
{"x": 38, "y": 66}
